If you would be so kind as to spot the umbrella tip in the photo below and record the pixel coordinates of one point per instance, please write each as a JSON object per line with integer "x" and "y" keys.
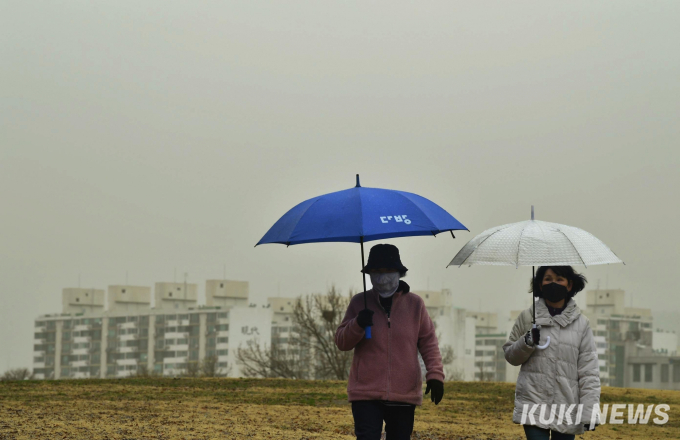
{"x": 358, "y": 184}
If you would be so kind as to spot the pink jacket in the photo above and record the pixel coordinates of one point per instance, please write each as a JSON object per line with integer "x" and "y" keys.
{"x": 386, "y": 366}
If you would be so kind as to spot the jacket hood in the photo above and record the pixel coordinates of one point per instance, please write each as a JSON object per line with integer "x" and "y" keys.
{"x": 568, "y": 315}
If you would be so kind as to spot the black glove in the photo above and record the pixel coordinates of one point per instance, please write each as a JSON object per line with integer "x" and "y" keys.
{"x": 587, "y": 427}
{"x": 533, "y": 337}
{"x": 365, "y": 318}
{"x": 536, "y": 335}
{"x": 437, "y": 388}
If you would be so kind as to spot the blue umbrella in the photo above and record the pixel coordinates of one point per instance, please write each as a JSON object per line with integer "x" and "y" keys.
{"x": 358, "y": 215}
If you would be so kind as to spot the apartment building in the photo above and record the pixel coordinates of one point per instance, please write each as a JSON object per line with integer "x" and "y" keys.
{"x": 455, "y": 329}
{"x": 130, "y": 337}
{"x": 613, "y": 324}
{"x": 490, "y": 363}
{"x": 649, "y": 368}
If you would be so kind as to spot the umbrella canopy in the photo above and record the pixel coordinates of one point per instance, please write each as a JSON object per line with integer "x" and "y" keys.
{"x": 358, "y": 215}
{"x": 535, "y": 243}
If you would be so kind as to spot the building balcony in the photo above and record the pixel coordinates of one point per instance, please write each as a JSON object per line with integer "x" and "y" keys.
{"x": 184, "y": 347}
{"x": 176, "y": 335}
{"x": 81, "y": 375}
{"x": 81, "y": 339}
{"x": 132, "y": 337}
{"x": 38, "y": 365}
{"x": 79, "y": 363}
{"x": 222, "y": 346}
{"x": 127, "y": 349}
{"x": 175, "y": 360}
{"x": 128, "y": 325}
{"x": 222, "y": 333}
{"x": 126, "y": 362}
{"x": 82, "y": 328}
{"x": 39, "y": 341}
{"x": 80, "y": 351}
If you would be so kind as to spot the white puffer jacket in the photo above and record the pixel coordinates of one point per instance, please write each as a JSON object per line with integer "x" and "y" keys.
{"x": 566, "y": 372}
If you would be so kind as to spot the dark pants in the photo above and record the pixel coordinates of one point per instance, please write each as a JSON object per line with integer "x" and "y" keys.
{"x": 536, "y": 433}
{"x": 369, "y": 416}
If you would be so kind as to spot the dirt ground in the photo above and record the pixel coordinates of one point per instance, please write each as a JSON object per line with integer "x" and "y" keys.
{"x": 155, "y": 408}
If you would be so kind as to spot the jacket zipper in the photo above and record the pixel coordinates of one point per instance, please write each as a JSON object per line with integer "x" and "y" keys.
{"x": 389, "y": 338}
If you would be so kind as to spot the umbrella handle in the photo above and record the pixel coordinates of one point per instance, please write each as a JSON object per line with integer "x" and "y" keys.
{"x": 547, "y": 341}
{"x": 368, "y": 332}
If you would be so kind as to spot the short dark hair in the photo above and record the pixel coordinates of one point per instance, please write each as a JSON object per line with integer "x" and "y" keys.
{"x": 578, "y": 281}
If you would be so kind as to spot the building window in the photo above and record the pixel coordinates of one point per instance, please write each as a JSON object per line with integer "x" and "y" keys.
{"x": 648, "y": 372}
{"x": 636, "y": 372}
{"x": 676, "y": 372}
{"x": 664, "y": 373}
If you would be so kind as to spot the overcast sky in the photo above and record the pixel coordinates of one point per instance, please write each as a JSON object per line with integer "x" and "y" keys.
{"x": 154, "y": 136}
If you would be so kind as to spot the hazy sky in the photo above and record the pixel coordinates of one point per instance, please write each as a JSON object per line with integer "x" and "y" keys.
{"x": 156, "y": 136}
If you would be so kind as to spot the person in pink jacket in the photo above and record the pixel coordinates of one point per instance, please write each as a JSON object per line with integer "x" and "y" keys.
{"x": 385, "y": 381}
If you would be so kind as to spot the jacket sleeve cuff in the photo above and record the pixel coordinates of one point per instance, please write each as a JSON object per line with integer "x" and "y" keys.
{"x": 526, "y": 348}
{"x": 434, "y": 375}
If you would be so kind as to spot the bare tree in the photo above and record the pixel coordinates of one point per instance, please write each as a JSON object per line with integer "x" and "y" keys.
{"x": 484, "y": 376}
{"x": 17, "y": 374}
{"x": 143, "y": 371}
{"x": 255, "y": 361}
{"x": 209, "y": 366}
{"x": 193, "y": 370}
{"x": 278, "y": 360}
{"x": 318, "y": 316}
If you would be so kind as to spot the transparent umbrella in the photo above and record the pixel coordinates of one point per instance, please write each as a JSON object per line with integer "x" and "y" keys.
{"x": 535, "y": 243}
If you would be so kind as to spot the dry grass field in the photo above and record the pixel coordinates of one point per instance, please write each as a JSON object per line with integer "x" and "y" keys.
{"x": 154, "y": 408}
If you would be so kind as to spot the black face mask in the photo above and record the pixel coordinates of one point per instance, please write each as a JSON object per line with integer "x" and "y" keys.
{"x": 554, "y": 292}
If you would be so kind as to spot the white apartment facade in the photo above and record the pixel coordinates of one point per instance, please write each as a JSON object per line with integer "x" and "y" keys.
{"x": 86, "y": 341}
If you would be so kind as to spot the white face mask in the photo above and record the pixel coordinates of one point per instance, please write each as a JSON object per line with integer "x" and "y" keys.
{"x": 385, "y": 283}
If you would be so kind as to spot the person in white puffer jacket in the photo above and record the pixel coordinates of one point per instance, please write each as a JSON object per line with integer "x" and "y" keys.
{"x": 555, "y": 381}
